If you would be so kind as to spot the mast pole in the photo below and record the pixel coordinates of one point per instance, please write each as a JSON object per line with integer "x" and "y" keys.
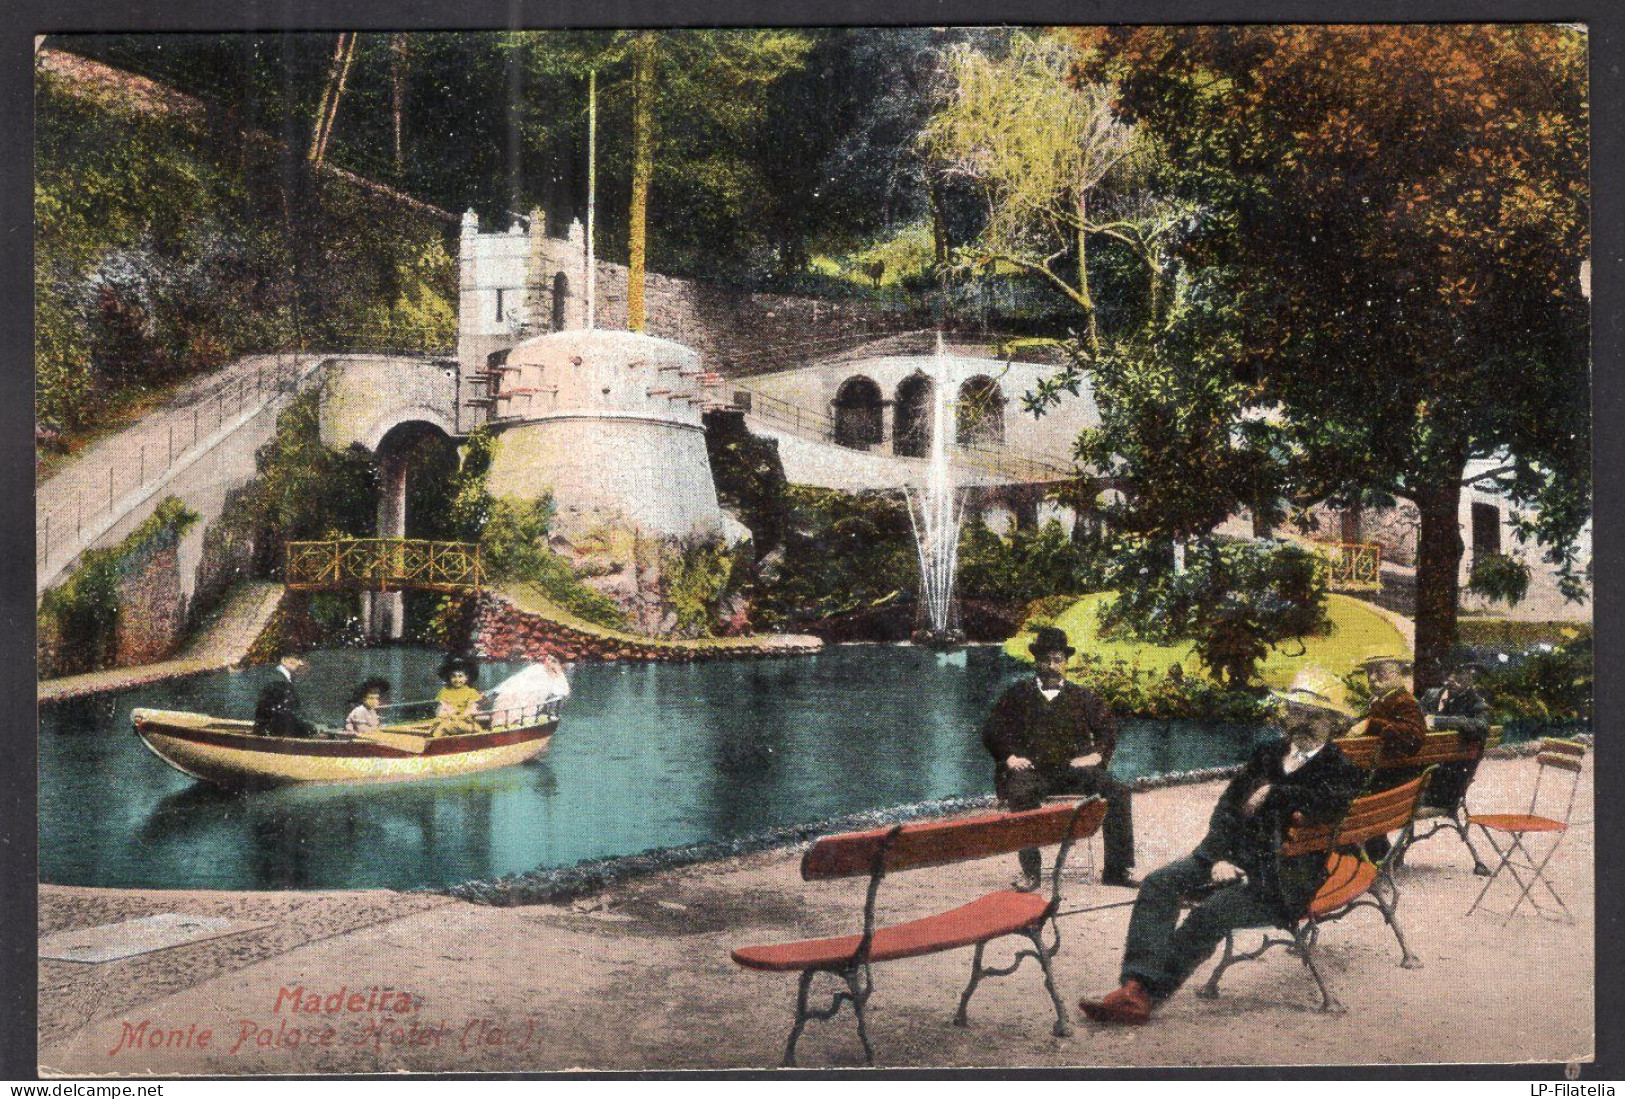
{"x": 592, "y": 192}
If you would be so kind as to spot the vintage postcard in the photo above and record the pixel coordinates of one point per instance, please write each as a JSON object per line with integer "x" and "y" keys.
{"x": 916, "y": 547}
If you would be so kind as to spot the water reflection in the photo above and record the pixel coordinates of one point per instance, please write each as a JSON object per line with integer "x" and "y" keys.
{"x": 647, "y": 756}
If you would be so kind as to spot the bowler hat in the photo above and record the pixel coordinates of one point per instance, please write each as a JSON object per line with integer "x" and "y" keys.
{"x": 1048, "y": 639}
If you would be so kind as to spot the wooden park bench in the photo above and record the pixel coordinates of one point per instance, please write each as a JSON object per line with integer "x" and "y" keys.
{"x": 1438, "y": 749}
{"x": 993, "y": 916}
{"x": 1354, "y": 881}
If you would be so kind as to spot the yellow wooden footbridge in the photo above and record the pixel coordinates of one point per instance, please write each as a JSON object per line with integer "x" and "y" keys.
{"x": 384, "y": 564}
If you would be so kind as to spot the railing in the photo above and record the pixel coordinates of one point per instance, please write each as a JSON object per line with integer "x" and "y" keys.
{"x": 384, "y": 564}
{"x": 1008, "y": 464}
{"x": 1352, "y": 566}
{"x": 174, "y": 438}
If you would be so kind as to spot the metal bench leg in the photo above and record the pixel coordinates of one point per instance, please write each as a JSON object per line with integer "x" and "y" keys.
{"x": 1063, "y": 1026}
{"x": 860, "y": 997}
{"x": 1210, "y": 990}
{"x": 962, "y": 1017}
{"x": 1389, "y": 910}
{"x": 1461, "y": 824}
{"x": 1305, "y": 947}
{"x": 801, "y": 1019}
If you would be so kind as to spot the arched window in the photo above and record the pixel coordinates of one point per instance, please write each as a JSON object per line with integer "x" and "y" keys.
{"x": 561, "y": 295}
{"x": 912, "y": 436}
{"x": 858, "y": 413}
{"x": 979, "y": 415}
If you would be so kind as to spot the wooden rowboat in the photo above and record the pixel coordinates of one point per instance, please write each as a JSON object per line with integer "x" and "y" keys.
{"x": 229, "y": 753}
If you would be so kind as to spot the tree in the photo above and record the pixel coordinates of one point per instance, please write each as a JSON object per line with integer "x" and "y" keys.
{"x": 1058, "y": 168}
{"x": 1398, "y": 216}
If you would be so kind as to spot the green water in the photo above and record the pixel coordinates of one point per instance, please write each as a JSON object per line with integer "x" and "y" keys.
{"x": 646, "y": 756}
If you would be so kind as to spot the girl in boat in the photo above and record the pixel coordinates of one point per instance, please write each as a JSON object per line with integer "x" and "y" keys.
{"x": 369, "y": 697}
{"x": 459, "y": 700}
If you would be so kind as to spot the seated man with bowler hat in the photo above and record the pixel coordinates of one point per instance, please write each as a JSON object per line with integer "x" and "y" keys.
{"x": 1049, "y": 737}
{"x": 1235, "y": 874}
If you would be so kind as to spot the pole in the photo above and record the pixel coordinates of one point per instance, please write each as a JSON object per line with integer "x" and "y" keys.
{"x": 592, "y": 194}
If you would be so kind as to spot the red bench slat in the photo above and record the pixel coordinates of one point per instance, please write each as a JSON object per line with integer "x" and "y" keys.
{"x": 984, "y": 918}
{"x": 939, "y": 843}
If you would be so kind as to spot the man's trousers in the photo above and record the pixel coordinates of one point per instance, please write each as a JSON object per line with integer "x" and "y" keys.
{"x": 1023, "y": 790}
{"x": 1162, "y": 953}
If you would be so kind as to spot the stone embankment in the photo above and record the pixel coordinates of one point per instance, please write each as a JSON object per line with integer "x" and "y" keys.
{"x": 504, "y": 630}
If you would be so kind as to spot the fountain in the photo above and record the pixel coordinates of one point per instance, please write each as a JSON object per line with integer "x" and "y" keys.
{"x": 936, "y": 514}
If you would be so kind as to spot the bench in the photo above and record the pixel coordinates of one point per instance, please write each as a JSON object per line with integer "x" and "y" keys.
{"x": 1438, "y": 749}
{"x": 1353, "y": 881}
{"x": 993, "y": 916}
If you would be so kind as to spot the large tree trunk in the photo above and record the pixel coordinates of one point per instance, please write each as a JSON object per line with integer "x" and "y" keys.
{"x": 1438, "y": 565}
{"x": 643, "y": 88}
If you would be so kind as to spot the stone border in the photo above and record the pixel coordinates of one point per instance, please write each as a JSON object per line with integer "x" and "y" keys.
{"x": 504, "y": 631}
{"x": 564, "y": 884}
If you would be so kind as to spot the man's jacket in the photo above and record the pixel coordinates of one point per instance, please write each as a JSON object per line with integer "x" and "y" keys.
{"x": 278, "y": 711}
{"x": 1465, "y": 710}
{"x": 1396, "y": 717}
{"x": 1050, "y": 733}
{"x": 1320, "y": 791}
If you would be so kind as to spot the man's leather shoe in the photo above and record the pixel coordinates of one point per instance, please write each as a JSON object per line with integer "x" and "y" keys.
{"x": 1129, "y": 1005}
{"x": 1123, "y": 879}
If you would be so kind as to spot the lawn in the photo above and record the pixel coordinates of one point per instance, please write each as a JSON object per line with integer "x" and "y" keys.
{"x": 1358, "y": 631}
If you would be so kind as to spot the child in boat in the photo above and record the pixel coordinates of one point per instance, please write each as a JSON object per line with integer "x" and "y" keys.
{"x": 459, "y": 700}
{"x": 364, "y": 718}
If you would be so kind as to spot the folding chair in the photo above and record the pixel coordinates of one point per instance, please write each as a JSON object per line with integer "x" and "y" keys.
{"x": 1516, "y": 858}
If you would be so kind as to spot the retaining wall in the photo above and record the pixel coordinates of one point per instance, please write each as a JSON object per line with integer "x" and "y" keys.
{"x": 502, "y": 631}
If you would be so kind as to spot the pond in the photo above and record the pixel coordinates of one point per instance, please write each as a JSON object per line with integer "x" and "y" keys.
{"x": 647, "y": 755}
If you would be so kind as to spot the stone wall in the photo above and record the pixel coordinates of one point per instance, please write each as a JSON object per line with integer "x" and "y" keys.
{"x": 502, "y": 631}
{"x": 152, "y": 610}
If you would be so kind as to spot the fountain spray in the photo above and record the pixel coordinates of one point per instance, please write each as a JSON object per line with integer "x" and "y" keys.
{"x": 936, "y": 515}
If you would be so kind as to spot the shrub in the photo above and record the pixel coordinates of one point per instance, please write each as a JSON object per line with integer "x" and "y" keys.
{"x": 81, "y": 615}
{"x": 1023, "y": 565}
{"x": 842, "y": 553}
{"x": 1234, "y": 599}
{"x": 1500, "y": 577}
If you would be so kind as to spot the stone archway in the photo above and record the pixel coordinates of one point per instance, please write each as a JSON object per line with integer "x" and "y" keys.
{"x": 858, "y": 413}
{"x": 911, "y": 438}
{"x": 979, "y": 413}
{"x": 399, "y": 449}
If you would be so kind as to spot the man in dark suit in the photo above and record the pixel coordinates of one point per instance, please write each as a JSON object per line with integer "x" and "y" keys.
{"x": 1458, "y": 705}
{"x": 1047, "y": 737}
{"x": 1236, "y": 869}
{"x": 278, "y": 711}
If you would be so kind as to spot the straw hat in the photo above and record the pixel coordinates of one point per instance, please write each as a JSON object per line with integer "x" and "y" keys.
{"x": 1404, "y": 662}
{"x": 1316, "y": 688}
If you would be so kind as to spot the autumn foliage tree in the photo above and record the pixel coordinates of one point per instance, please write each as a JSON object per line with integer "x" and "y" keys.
{"x": 1395, "y": 218}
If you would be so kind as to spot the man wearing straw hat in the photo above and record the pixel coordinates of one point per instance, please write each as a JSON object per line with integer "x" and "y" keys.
{"x": 1047, "y": 737}
{"x": 1235, "y": 869}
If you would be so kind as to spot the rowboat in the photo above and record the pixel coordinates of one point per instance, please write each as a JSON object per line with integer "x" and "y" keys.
{"x": 229, "y": 753}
